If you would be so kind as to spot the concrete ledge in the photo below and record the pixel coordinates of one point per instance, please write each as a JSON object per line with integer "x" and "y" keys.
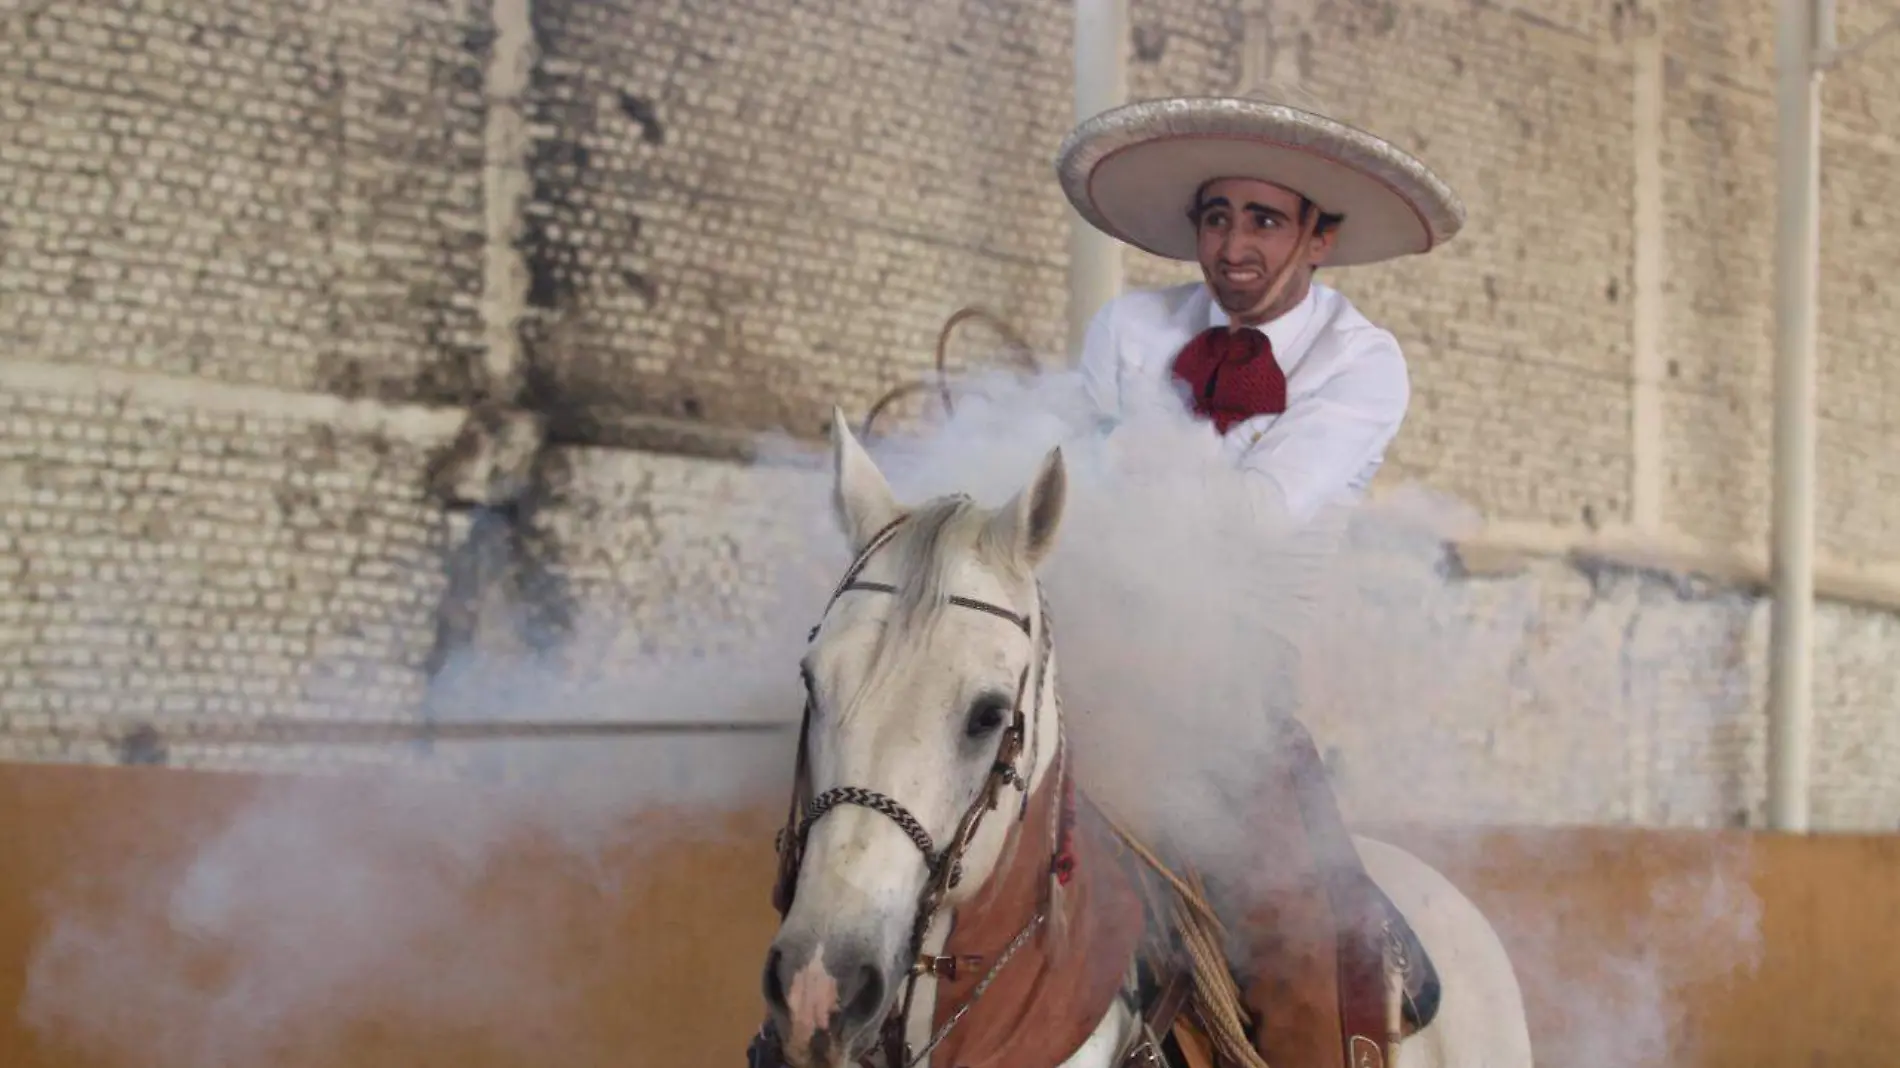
{"x": 580, "y": 426}
{"x": 1505, "y": 547}
{"x": 415, "y": 423}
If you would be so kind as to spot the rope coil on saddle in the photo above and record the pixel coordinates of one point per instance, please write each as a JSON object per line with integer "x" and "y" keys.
{"x": 1216, "y": 997}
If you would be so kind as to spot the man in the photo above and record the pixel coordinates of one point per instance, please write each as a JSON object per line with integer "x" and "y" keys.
{"x": 1306, "y": 393}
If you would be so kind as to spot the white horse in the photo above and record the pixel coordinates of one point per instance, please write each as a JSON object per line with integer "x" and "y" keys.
{"x": 931, "y": 812}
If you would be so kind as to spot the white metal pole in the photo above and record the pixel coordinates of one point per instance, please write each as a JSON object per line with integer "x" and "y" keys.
{"x": 1101, "y": 82}
{"x": 1802, "y": 26}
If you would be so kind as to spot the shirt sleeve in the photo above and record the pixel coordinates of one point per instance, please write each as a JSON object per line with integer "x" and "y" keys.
{"x": 1312, "y": 453}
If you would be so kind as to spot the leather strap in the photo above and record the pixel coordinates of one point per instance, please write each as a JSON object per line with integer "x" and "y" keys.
{"x": 1195, "y": 1047}
{"x": 1168, "y": 1001}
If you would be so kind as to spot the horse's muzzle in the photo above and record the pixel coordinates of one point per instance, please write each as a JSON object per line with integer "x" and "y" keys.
{"x": 822, "y": 1007}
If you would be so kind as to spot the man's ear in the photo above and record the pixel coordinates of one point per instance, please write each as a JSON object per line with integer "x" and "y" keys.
{"x": 860, "y": 494}
{"x": 1321, "y": 246}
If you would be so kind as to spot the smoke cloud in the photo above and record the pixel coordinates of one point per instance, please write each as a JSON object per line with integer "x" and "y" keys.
{"x": 1183, "y": 620}
{"x": 1188, "y": 616}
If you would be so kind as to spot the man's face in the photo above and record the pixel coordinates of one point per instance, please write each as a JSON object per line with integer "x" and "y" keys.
{"x": 1248, "y": 230}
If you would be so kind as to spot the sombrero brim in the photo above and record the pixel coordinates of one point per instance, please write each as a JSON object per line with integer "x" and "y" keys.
{"x": 1132, "y": 172}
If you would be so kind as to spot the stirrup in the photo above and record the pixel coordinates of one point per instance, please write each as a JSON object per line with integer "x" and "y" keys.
{"x": 1145, "y": 1052}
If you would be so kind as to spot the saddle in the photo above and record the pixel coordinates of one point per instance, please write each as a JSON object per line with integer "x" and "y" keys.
{"x": 1328, "y": 973}
{"x": 1373, "y": 1016}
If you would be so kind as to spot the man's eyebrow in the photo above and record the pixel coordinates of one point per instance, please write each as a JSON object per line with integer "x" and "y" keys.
{"x": 1267, "y": 208}
{"x": 1223, "y": 202}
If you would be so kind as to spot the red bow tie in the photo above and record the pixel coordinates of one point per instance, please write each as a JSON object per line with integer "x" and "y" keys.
{"x": 1232, "y": 376}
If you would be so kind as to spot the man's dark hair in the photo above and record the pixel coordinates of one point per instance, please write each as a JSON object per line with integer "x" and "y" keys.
{"x": 1327, "y": 220}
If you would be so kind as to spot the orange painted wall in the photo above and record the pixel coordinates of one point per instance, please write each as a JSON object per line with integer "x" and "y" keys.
{"x": 1754, "y": 950}
{"x": 659, "y": 967}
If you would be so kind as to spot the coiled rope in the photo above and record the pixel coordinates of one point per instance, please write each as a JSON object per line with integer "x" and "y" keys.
{"x": 1216, "y": 997}
{"x": 1024, "y": 353}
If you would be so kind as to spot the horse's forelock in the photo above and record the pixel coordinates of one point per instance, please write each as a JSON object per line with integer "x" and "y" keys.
{"x": 924, "y": 552}
{"x": 924, "y": 559}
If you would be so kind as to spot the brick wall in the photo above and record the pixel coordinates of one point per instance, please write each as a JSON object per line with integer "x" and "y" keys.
{"x": 738, "y": 214}
{"x": 212, "y": 556}
{"x": 1721, "y": 207}
{"x": 221, "y": 221}
{"x": 283, "y": 195}
{"x": 928, "y": 186}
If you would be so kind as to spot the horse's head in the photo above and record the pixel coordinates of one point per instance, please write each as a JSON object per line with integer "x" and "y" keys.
{"x": 931, "y": 719}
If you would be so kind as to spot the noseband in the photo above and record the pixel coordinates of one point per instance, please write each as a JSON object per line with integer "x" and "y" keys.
{"x": 945, "y": 865}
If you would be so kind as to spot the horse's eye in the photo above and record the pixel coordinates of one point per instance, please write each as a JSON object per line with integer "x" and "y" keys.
{"x": 987, "y": 714}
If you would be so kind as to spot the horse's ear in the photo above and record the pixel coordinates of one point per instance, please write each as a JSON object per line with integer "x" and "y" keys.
{"x": 1025, "y": 528}
{"x": 859, "y": 492}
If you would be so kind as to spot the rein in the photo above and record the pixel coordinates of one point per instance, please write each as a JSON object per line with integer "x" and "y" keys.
{"x": 945, "y": 865}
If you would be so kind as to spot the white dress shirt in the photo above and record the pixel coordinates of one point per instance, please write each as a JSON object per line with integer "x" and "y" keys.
{"x": 1347, "y": 386}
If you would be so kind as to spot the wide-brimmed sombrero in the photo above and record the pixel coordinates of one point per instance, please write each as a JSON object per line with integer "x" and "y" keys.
{"x": 1132, "y": 172}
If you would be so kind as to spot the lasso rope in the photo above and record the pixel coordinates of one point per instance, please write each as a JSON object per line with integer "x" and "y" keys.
{"x": 1024, "y": 351}
{"x": 1216, "y": 998}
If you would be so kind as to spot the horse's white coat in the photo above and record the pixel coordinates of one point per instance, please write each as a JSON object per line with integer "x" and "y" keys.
{"x": 1481, "y": 1021}
{"x": 898, "y": 731}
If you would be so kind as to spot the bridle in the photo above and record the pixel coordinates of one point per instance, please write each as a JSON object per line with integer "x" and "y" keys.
{"x": 945, "y": 865}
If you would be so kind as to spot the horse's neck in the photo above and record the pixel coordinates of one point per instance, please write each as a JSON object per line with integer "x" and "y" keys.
{"x": 1073, "y": 943}
{"x": 1043, "y": 747}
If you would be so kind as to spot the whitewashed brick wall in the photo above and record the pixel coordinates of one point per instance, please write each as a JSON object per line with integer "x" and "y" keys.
{"x": 167, "y": 558}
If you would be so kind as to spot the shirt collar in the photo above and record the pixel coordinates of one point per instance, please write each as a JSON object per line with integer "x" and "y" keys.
{"x": 1281, "y": 332}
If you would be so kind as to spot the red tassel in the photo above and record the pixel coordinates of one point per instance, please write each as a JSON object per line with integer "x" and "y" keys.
{"x": 1064, "y": 864}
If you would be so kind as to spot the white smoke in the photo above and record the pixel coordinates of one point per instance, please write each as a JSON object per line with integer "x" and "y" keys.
{"x": 1181, "y": 620}
{"x": 1187, "y": 617}
{"x": 489, "y": 895}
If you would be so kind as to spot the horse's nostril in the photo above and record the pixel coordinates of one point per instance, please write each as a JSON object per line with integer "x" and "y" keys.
{"x": 774, "y": 983}
{"x": 866, "y": 994}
